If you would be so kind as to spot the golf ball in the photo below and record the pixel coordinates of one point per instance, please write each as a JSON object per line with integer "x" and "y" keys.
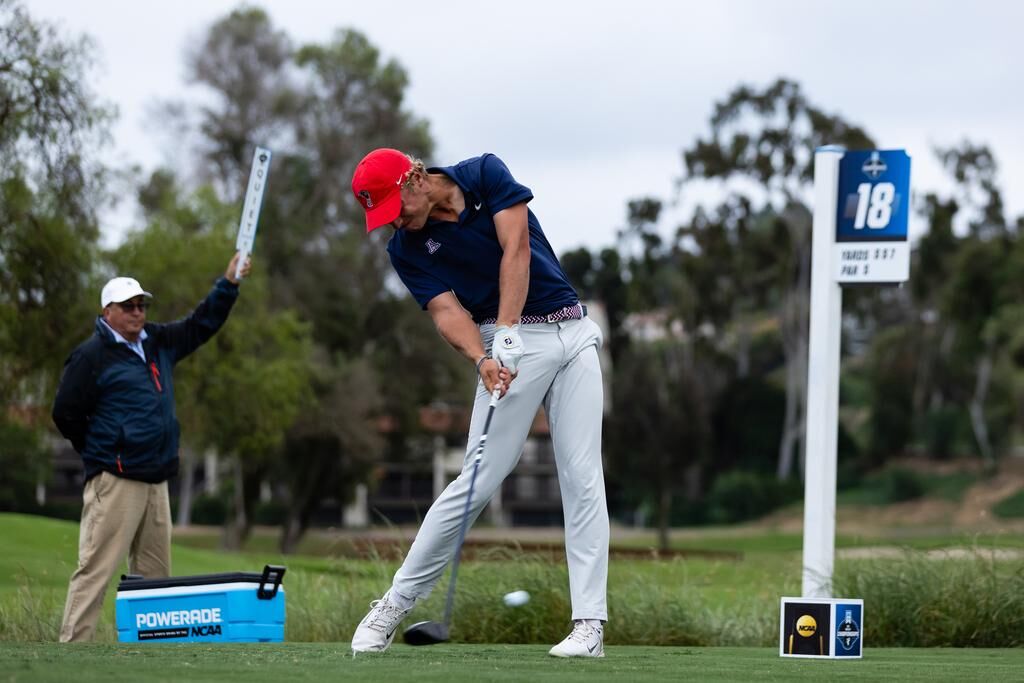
{"x": 516, "y": 598}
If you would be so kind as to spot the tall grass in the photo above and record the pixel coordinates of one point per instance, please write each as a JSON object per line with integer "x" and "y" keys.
{"x": 916, "y": 599}
{"x": 30, "y": 613}
{"x": 327, "y": 606}
{"x": 939, "y": 599}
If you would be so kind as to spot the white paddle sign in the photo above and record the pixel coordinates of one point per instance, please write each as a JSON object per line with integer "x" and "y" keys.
{"x": 251, "y": 206}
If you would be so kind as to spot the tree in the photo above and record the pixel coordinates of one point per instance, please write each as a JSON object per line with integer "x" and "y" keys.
{"x": 600, "y": 276}
{"x": 768, "y": 136}
{"x": 321, "y": 107}
{"x": 931, "y": 267}
{"x": 651, "y": 431}
{"x": 942, "y": 370}
{"x": 337, "y": 454}
{"x": 673, "y": 380}
{"x": 50, "y": 187}
{"x": 973, "y": 295}
{"x": 243, "y": 60}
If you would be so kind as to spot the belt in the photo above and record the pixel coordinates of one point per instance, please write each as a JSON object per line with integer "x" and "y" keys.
{"x": 575, "y": 312}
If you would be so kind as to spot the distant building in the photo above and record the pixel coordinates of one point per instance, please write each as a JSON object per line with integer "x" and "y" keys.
{"x": 405, "y": 490}
{"x": 652, "y": 326}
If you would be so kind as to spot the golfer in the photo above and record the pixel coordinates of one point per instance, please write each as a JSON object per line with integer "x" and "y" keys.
{"x": 115, "y": 403}
{"x": 474, "y": 256}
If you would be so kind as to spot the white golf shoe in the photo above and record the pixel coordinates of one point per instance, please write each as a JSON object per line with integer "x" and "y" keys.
{"x": 377, "y": 629}
{"x": 586, "y": 640}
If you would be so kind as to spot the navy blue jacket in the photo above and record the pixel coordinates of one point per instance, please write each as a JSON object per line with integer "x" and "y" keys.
{"x": 118, "y": 410}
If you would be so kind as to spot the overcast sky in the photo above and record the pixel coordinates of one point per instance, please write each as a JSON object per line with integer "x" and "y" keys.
{"x": 590, "y": 103}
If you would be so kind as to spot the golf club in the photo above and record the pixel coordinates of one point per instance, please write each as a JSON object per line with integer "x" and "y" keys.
{"x": 432, "y": 632}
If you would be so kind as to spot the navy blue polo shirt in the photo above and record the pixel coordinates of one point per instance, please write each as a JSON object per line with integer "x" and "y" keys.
{"x": 465, "y": 257}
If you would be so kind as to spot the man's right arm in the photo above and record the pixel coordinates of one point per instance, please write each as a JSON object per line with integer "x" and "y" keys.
{"x": 76, "y": 398}
{"x": 184, "y": 336}
{"x": 457, "y": 328}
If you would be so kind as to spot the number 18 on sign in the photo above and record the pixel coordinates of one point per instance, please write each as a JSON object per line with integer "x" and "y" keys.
{"x": 871, "y": 220}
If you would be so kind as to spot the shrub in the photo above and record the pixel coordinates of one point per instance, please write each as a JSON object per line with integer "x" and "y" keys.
{"x": 1010, "y": 507}
{"x": 25, "y": 462}
{"x": 209, "y": 509}
{"x": 941, "y": 427}
{"x": 69, "y": 510}
{"x": 737, "y": 496}
{"x": 270, "y": 513}
{"x": 892, "y": 485}
{"x": 948, "y": 486}
{"x": 897, "y": 485}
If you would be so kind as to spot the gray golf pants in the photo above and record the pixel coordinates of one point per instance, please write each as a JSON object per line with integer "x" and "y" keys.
{"x": 560, "y": 370}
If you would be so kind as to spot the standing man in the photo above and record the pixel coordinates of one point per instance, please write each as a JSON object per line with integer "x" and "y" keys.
{"x": 115, "y": 403}
{"x": 474, "y": 256}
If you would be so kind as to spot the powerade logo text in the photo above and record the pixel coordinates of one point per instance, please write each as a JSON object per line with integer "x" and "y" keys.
{"x": 178, "y": 623}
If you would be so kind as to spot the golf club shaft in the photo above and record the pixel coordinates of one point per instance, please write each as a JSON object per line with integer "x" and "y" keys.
{"x": 495, "y": 395}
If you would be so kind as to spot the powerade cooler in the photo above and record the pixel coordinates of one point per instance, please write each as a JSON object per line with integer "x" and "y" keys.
{"x": 236, "y": 607}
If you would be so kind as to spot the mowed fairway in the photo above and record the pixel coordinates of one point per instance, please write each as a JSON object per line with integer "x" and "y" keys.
{"x": 454, "y": 663}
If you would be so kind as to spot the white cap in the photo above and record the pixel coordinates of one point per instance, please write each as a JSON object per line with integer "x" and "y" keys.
{"x": 120, "y": 289}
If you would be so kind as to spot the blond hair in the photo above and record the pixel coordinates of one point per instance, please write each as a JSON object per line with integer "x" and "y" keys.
{"x": 418, "y": 169}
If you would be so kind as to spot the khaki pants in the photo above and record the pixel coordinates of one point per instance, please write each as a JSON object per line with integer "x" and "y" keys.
{"x": 121, "y": 517}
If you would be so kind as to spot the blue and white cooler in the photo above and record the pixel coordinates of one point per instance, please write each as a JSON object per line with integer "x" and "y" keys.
{"x": 235, "y": 607}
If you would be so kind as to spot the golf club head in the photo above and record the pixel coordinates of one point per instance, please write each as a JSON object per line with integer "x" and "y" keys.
{"x": 426, "y": 633}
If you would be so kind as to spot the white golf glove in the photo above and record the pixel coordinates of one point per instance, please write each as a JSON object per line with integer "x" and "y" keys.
{"x": 508, "y": 347}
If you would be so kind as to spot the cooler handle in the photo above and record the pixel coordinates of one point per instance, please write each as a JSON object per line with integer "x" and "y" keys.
{"x": 272, "y": 574}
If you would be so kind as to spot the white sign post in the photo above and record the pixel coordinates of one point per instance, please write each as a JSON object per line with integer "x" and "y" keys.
{"x": 861, "y": 206}
{"x": 822, "y": 383}
{"x": 251, "y": 206}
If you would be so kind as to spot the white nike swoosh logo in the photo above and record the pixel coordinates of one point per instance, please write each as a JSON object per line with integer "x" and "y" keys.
{"x": 477, "y": 206}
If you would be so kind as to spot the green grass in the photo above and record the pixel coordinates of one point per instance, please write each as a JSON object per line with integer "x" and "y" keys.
{"x": 295, "y": 662}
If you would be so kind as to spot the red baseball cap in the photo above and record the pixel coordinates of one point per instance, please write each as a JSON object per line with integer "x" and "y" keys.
{"x": 377, "y": 184}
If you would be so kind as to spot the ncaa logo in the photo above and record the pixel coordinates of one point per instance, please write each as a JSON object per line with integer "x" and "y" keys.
{"x": 365, "y": 195}
{"x": 806, "y": 626}
{"x": 432, "y": 246}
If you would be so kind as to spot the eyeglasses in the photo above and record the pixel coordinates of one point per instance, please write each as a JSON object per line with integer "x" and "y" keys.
{"x": 130, "y": 307}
